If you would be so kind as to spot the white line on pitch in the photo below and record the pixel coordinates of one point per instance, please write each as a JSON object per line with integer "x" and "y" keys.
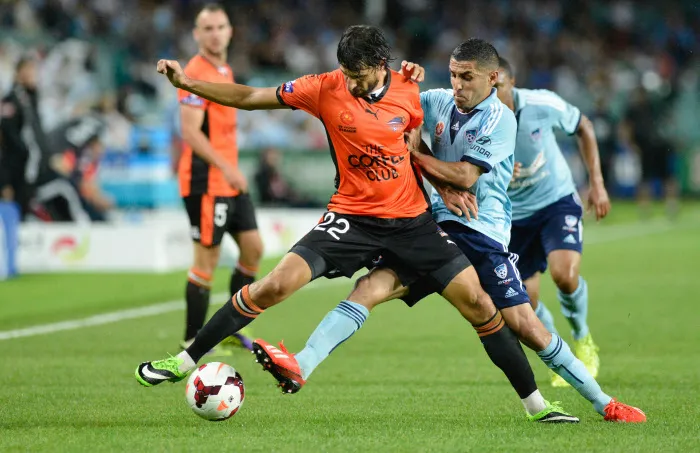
{"x": 599, "y": 235}
{"x": 132, "y": 313}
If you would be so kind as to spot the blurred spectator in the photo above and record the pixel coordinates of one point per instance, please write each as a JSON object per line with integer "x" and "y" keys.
{"x": 655, "y": 151}
{"x": 69, "y": 191}
{"x": 117, "y": 132}
{"x": 272, "y": 187}
{"x": 606, "y": 131}
{"x": 586, "y": 51}
{"x": 24, "y": 144}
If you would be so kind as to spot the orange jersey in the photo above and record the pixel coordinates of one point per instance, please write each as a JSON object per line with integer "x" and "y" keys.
{"x": 374, "y": 175}
{"x": 197, "y": 176}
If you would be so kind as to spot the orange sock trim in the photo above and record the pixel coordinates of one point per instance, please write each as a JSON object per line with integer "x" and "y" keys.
{"x": 244, "y": 304}
{"x": 492, "y": 326}
{"x": 245, "y": 293}
{"x": 247, "y": 270}
{"x": 199, "y": 278}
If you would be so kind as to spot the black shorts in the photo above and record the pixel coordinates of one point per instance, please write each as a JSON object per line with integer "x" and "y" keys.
{"x": 212, "y": 216}
{"x": 415, "y": 248}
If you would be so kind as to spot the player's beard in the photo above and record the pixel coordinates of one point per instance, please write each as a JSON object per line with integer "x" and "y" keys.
{"x": 364, "y": 92}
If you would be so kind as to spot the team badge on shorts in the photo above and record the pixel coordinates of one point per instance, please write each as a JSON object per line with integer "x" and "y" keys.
{"x": 571, "y": 223}
{"x": 501, "y": 271}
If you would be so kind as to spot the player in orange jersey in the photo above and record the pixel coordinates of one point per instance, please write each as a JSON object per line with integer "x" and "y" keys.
{"x": 379, "y": 208}
{"x": 214, "y": 190}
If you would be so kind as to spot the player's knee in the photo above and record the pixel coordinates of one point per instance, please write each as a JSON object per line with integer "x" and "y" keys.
{"x": 368, "y": 294}
{"x": 206, "y": 259}
{"x": 474, "y": 304}
{"x": 527, "y": 327}
{"x": 272, "y": 290}
{"x": 565, "y": 276}
{"x": 252, "y": 251}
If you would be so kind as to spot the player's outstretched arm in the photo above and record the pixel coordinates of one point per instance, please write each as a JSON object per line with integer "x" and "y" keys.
{"x": 598, "y": 199}
{"x": 229, "y": 94}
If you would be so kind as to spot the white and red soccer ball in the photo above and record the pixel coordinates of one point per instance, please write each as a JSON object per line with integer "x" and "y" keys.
{"x": 215, "y": 391}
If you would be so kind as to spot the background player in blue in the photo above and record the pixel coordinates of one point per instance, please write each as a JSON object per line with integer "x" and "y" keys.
{"x": 547, "y": 213}
{"x": 473, "y": 136}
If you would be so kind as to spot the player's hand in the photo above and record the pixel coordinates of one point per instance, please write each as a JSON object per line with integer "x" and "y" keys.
{"x": 235, "y": 178}
{"x": 460, "y": 203}
{"x": 174, "y": 72}
{"x": 412, "y": 71}
{"x": 516, "y": 171}
{"x": 599, "y": 201}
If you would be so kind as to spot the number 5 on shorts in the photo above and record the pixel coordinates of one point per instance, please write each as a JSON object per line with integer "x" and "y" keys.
{"x": 220, "y": 214}
{"x": 334, "y": 231}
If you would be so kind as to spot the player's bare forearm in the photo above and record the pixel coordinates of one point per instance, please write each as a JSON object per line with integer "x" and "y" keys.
{"x": 598, "y": 199}
{"x": 459, "y": 202}
{"x": 201, "y": 146}
{"x": 461, "y": 175}
{"x": 588, "y": 147}
{"x": 235, "y": 95}
{"x": 415, "y": 141}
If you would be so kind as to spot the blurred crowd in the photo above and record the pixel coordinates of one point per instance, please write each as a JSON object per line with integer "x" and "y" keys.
{"x": 613, "y": 59}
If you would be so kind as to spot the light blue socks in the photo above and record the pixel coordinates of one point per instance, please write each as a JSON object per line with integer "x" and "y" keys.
{"x": 559, "y": 358}
{"x": 575, "y": 308}
{"x": 545, "y": 316}
{"x": 334, "y": 329}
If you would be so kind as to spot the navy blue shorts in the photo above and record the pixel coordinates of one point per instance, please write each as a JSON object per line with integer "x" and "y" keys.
{"x": 555, "y": 227}
{"x": 494, "y": 265}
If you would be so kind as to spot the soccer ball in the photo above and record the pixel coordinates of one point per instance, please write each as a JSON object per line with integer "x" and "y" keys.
{"x": 215, "y": 391}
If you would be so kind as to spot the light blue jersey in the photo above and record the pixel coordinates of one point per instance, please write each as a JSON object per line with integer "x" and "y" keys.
{"x": 484, "y": 137}
{"x": 545, "y": 176}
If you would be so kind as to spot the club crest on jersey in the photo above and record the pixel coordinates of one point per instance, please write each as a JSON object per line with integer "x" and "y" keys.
{"x": 501, "y": 271}
{"x": 439, "y": 128}
{"x": 347, "y": 117}
{"x": 535, "y": 135}
{"x": 470, "y": 136}
{"x": 397, "y": 123}
{"x": 289, "y": 87}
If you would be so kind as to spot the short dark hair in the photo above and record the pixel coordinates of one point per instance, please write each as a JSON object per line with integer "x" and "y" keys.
{"x": 475, "y": 49}
{"x": 363, "y": 46}
{"x": 505, "y": 64}
{"x": 211, "y": 8}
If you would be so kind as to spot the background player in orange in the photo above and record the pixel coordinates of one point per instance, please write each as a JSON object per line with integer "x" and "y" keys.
{"x": 213, "y": 188}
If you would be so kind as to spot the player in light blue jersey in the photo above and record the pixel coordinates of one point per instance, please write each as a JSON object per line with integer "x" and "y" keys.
{"x": 473, "y": 136}
{"x": 547, "y": 213}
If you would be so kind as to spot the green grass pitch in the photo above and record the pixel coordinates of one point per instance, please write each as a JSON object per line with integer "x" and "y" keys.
{"x": 409, "y": 381}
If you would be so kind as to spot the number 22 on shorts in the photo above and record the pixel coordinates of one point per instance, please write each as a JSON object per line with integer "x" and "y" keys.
{"x": 341, "y": 225}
